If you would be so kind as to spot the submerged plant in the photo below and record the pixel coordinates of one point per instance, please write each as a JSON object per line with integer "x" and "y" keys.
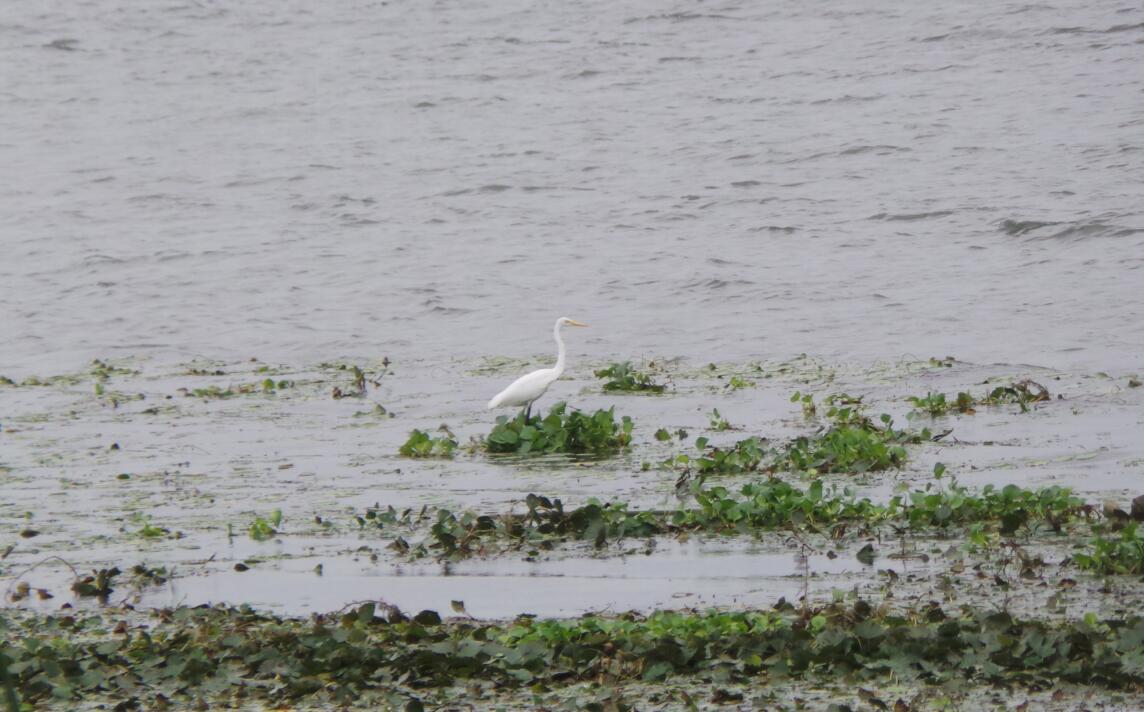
{"x": 421, "y": 444}
{"x": 562, "y": 430}
{"x": 627, "y": 378}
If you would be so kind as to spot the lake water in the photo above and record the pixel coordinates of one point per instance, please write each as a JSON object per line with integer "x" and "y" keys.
{"x": 293, "y": 180}
{"x": 870, "y": 183}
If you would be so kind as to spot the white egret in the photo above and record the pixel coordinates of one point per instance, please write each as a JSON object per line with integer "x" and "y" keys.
{"x": 526, "y": 389}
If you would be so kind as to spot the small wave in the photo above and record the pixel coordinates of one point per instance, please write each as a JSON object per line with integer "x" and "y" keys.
{"x": 911, "y": 216}
{"x": 847, "y": 98}
{"x": 773, "y": 228}
{"x": 1090, "y": 31}
{"x": 1020, "y": 227}
{"x": 351, "y": 219}
{"x": 713, "y": 284}
{"x": 450, "y": 310}
{"x": 855, "y": 150}
{"x": 679, "y": 17}
{"x": 171, "y": 255}
{"x": 1070, "y": 231}
{"x": 745, "y": 183}
{"x": 100, "y": 259}
{"x": 65, "y": 44}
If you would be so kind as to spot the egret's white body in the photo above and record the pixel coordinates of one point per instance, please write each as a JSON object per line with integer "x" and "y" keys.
{"x": 525, "y": 390}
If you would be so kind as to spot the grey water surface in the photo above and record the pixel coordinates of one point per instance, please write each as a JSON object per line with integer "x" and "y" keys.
{"x": 870, "y": 183}
{"x": 703, "y": 179}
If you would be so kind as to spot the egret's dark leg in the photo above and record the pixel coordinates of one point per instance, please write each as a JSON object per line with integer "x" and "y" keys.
{"x": 527, "y": 412}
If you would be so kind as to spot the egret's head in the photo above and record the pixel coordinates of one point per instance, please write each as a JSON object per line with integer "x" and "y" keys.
{"x": 565, "y": 321}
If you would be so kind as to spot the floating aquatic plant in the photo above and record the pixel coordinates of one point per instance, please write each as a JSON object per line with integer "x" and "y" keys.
{"x": 1114, "y": 552}
{"x": 1021, "y": 393}
{"x": 627, "y": 378}
{"x": 422, "y": 444}
{"x": 263, "y": 528}
{"x": 716, "y": 422}
{"x": 755, "y": 506}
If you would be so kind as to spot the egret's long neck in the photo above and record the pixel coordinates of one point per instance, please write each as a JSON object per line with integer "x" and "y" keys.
{"x": 559, "y": 349}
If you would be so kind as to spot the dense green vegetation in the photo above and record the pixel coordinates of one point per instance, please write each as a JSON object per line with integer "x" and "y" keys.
{"x": 374, "y": 656}
{"x": 562, "y": 430}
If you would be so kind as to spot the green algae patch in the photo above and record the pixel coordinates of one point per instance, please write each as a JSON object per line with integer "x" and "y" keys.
{"x": 374, "y": 655}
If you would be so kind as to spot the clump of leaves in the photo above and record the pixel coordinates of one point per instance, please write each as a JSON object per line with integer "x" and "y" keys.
{"x": 144, "y": 575}
{"x": 562, "y": 430}
{"x": 215, "y": 393}
{"x": 1012, "y": 506}
{"x": 359, "y": 380}
{"x": 96, "y": 585}
{"x": 807, "y": 401}
{"x": 269, "y": 385}
{"x": 422, "y": 444}
{"x": 717, "y": 422}
{"x": 627, "y": 378}
{"x": 852, "y": 443}
{"x": 1119, "y": 553}
{"x": 1021, "y": 393}
{"x": 147, "y": 528}
{"x": 773, "y": 503}
{"x": 744, "y": 456}
{"x": 263, "y": 528}
{"x": 735, "y": 383}
{"x": 936, "y": 404}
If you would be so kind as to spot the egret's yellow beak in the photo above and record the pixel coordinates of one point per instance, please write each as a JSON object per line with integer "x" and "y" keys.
{"x": 573, "y": 322}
